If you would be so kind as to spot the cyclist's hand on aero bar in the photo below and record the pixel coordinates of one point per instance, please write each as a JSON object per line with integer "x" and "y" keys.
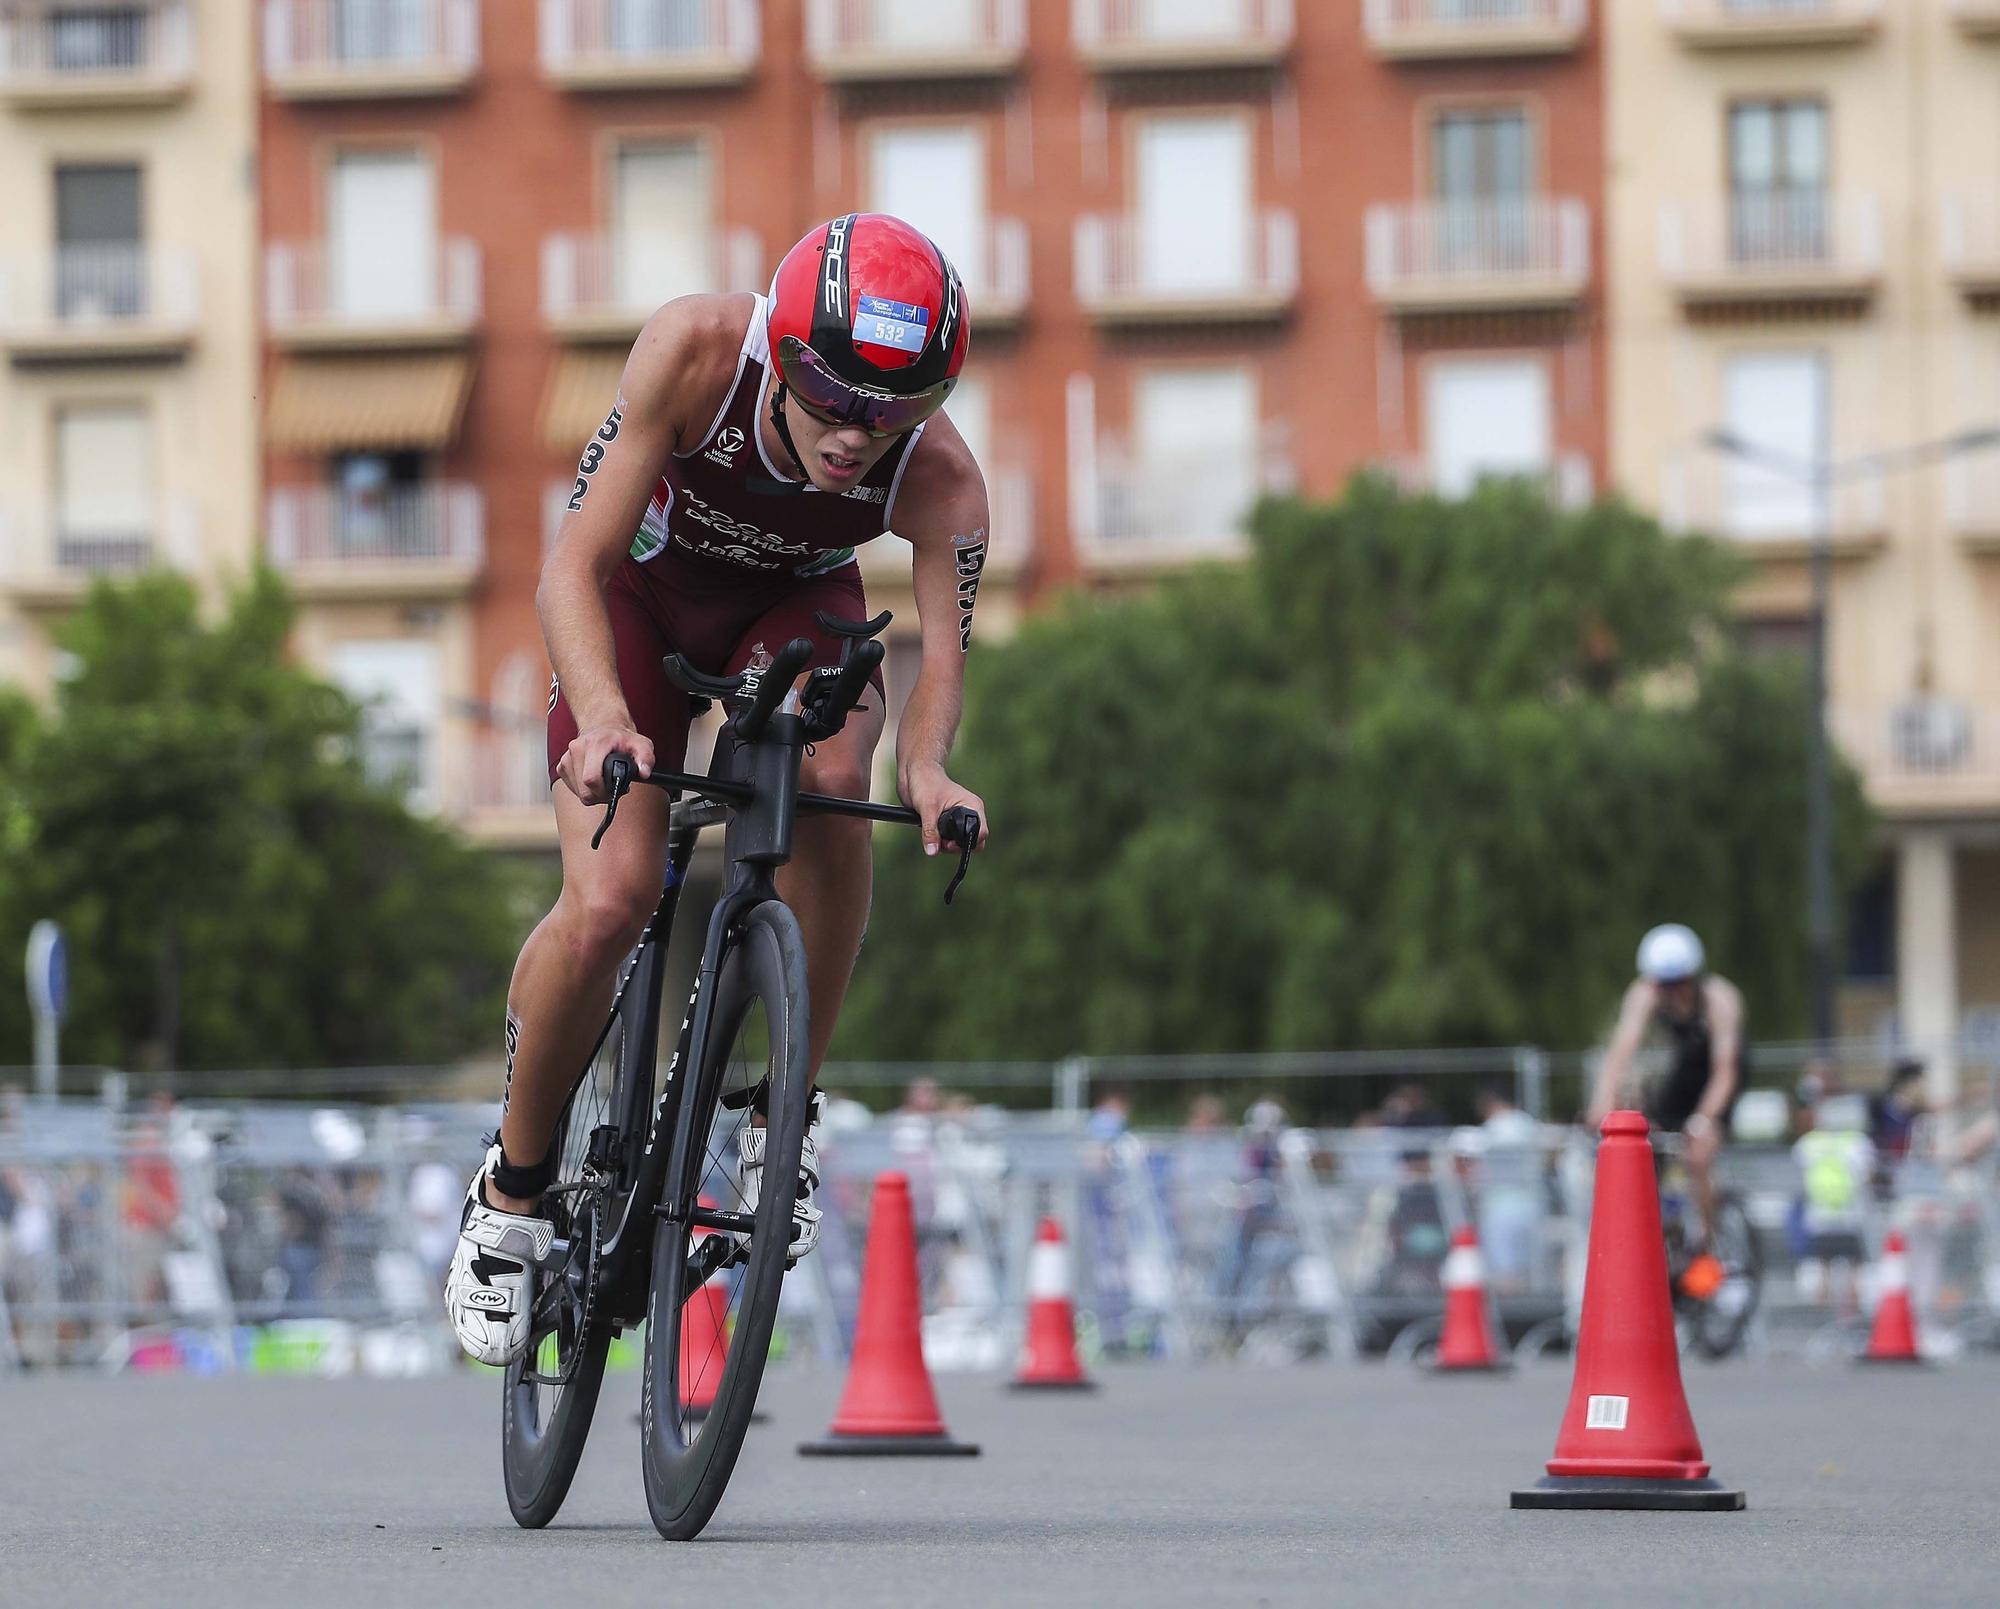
{"x": 929, "y": 792}
{"x": 583, "y": 761}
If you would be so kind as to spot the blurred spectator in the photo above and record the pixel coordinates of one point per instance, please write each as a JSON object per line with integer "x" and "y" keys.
{"x": 1501, "y": 1120}
{"x": 1894, "y": 1110}
{"x": 302, "y": 1244}
{"x": 1829, "y": 1222}
{"x": 1205, "y": 1115}
{"x": 152, "y": 1202}
{"x": 1409, "y": 1106}
{"x": 1417, "y": 1237}
{"x": 1110, "y": 1117}
{"x": 912, "y": 1125}
{"x": 13, "y": 1103}
{"x": 435, "y": 1194}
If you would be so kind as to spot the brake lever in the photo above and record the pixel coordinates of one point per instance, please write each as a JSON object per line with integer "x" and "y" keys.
{"x": 961, "y": 825}
{"x": 619, "y": 770}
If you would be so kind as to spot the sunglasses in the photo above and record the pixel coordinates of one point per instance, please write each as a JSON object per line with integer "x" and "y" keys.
{"x": 840, "y": 405}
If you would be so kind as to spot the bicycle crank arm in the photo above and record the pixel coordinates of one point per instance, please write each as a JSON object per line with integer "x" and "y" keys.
{"x": 734, "y": 1223}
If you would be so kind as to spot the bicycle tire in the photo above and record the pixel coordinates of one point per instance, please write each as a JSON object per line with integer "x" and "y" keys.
{"x": 1718, "y": 1328}
{"x": 687, "y": 1463}
{"x": 542, "y": 1438}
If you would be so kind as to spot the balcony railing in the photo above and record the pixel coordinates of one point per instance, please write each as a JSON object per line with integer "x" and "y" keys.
{"x": 597, "y": 287}
{"x": 1779, "y": 245}
{"x": 1475, "y": 255}
{"x": 1418, "y": 30}
{"x": 858, "y": 41}
{"x": 352, "y": 49}
{"x": 1567, "y": 481}
{"x": 1132, "y": 36}
{"x": 996, "y": 278}
{"x": 1164, "y": 510}
{"x": 1928, "y": 753}
{"x": 1252, "y": 277}
{"x": 1970, "y": 246}
{"x": 100, "y": 302}
{"x": 51, "y": 558}
{"x": 1769, "y": 513}
{"x": 416, "y": 539}
{"x": 1742, "y": 24}
{"x": 626, "y": 44}
{"x": 311, "y": 301}
{"x": 1972, "y": 499}
{"x": 1978, "y": 19}
{"x": 53, "y": 55}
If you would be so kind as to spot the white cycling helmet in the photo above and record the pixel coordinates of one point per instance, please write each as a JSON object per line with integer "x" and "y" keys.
{"x": 1670, "y": 954}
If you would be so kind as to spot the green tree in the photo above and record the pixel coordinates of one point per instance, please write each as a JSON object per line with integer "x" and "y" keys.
{"x": 236, "y": 892}
{"x": 1416, "y": 773}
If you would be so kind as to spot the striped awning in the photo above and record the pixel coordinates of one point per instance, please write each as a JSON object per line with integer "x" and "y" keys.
{"x": 582, "y": 387}
{"x": 344, "y": 404}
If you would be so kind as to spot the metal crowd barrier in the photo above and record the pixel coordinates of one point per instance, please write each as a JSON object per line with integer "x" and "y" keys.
{"x": 274, "y": 1235}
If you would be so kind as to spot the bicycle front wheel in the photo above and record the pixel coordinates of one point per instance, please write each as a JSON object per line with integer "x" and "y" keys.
{"x": 1720, "y": 1320}
{"x": 714, "y": 1298}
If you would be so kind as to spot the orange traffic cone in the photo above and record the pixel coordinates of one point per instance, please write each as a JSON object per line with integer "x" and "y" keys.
{"x": 1052, "y": 1363}
{"x": 1467, "y": 1344}
{"x": 1627, "y": 1440}
{"x": 1894, "y": 1338}
{"x": 889, "y": 1405}
{"x": 704, "y": 1346}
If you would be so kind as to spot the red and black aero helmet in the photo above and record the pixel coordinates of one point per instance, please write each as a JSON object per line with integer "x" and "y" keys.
{"x": 868, "y": 323}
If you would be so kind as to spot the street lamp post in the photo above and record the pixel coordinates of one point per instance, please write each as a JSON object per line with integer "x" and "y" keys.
{"x": 1821, "y": 475}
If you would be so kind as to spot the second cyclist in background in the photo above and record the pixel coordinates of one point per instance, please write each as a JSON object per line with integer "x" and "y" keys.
{"x": 1700, "y": 1014}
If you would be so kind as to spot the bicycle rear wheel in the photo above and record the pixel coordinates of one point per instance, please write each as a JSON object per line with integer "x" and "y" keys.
{"x": 714, "y": 1297}
{"x": 551, "y": 1391}
{"x": 1719, "y": 1320}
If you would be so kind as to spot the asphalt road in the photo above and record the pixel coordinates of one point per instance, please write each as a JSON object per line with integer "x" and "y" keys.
{"x": 1359, "y": 1483}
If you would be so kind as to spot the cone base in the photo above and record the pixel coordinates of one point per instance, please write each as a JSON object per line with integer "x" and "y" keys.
{"x": 1497, "y": 1366}
{"x": 1623, "y": 1491}
{"x": 1080, "y": 1383}
{"x": 1894, "y": 1358}
{"x": 835, "y": 1445}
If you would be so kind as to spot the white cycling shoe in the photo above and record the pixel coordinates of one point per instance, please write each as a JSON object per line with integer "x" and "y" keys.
{"x": 750, "y": 1181}
{"x": 491, "y": 1284}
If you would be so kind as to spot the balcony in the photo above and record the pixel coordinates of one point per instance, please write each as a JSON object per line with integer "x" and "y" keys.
{"x": 648, "y": 44}
{"x": 1131, "y": 36}
{"x": 1751, "y": 24}
{"x": 49, "y": 560}
{"x": 604, "y": 288}
{"x": 414, "y": 542}
{"x": 108, "y": 55}
{"x": 1927, "y": 756}
{"x": 1972, "y": 500}
{"x": 99, "y": 304}
{"x": 1156, "y": 513}
{"x": 1451, "y": 30}
{"x": 332, "y": 50}
{"x": 1977, "y": 19}
{"x": 1567, "y": 481}
{"x": 996, "y": 278}
{"x": 1970, "y": 247}
{"x": 897, "y": 41}
{"x": 1769, "y": 515}
{"x": 314, "y": 303}
{"x": 1483, "y": 256}
{"x": 1793, "y": 249}
{"x": 1251, "y": 276}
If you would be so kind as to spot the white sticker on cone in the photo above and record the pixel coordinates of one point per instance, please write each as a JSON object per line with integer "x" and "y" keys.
{"x": 1605, "y": 1413}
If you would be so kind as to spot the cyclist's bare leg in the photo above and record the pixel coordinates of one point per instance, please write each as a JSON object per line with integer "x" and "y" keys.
{"x": 831, "y": 876}
{"x": 1701, "y": 1185}
{"x": 569, "y": 966}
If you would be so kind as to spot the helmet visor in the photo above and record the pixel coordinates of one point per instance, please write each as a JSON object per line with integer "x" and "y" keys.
{"x": 834, "y": 401}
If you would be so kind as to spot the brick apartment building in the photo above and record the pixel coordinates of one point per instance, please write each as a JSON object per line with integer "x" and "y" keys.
{"x": 1211, "y": 248}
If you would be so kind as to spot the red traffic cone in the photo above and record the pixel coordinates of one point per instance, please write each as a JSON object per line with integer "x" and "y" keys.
{"x": 889, "y": 1405}
{"x": 1052, "y": 1363}
{"x": 1894, "y": 1338}
{"x": 1627, "y": 1440}
{"x": 1467, "y": 1344}
{"x": 704, "y": 1347}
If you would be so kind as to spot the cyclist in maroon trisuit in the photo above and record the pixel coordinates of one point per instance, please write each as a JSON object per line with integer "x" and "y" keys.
{"x": 755, "y": 442}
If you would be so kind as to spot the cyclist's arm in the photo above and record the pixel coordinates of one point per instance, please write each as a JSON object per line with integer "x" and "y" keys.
{"x": 1725, "y": 1026}
{"x": 1633, "y": 1015}
{"x": 615, "y": 477}
{"x": 941, "y": 511}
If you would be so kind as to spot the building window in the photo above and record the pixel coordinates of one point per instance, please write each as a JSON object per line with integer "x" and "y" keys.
{"x": 97, "y": 39}
{"x": 1194, "y": 229}
{"x": 1777, "y": 181}
{"x": 104, "y": 477}
{"x": 936, "y": 178}
{"x": 100, "y": 251}
{"x": 662, "y": 220}
{"x": 927, "y": 24}
{"x": 397, "y": 682}
{"x": 971, "y": 410}
{"x": 1778, "y": 401}
{"x": 1481, "y": 176}
{"x": 382, "y": 30}
{"x": 1197, "y": 434}
{"x": 1485, "y": 416}
{"x": 383, "y": 250}
{"x": 378, "y": 509}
